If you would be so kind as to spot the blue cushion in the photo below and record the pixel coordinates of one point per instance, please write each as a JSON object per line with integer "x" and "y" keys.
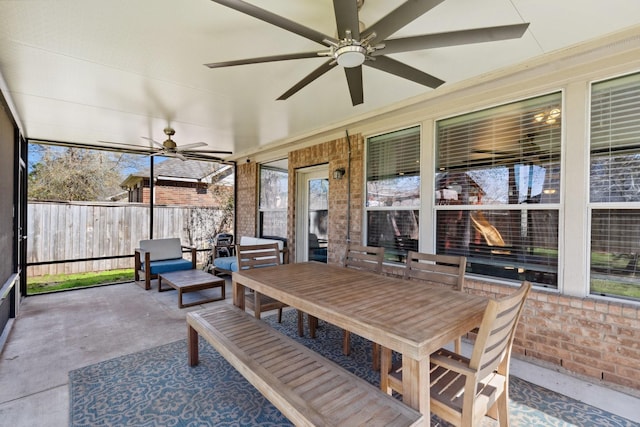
{"x": 228, "y": 263}
{"x": 165, "y": 266}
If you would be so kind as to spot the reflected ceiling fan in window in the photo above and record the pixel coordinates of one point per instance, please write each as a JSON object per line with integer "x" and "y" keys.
{"x": 169, "y": 148}
{"x": 355, "y": 47}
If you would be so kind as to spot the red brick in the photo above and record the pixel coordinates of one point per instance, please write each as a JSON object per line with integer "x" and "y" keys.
{"x": 621, "y": 380}
{"x": 582, "y": 369}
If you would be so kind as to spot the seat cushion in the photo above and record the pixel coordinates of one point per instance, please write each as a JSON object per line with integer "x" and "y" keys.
{"x": 228, "y": 263}
{"x": 159, "y": 267}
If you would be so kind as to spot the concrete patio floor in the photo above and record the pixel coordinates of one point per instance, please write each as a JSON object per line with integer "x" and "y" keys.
{"x": 57, "y": 333}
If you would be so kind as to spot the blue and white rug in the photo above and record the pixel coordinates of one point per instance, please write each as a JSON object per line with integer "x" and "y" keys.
{"x": 156, "y": 387}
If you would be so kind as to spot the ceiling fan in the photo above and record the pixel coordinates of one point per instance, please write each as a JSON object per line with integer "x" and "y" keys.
{"x": 169, "y": 148}
{"x": 355, "y": 47}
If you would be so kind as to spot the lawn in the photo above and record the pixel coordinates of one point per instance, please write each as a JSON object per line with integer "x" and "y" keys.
{"x": 58, "y": 282}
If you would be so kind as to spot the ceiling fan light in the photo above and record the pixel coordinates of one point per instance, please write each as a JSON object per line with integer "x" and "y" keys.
{"x": 350, "y": 56}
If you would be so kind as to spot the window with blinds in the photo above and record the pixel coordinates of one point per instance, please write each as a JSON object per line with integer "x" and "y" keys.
{"x": 497, "y": 189}
{"x": 393, "y": 191}
{"x": 615, "y": 187}
{"x": 273, "y": 201}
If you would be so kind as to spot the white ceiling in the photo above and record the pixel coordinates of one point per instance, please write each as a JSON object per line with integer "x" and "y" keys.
{"x": 87, "y": 70}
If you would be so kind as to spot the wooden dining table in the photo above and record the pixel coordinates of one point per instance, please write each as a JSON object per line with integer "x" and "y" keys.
{"x": 410, "y": 317}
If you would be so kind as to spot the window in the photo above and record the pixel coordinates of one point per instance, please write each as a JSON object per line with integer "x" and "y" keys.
{"x": 497, "y": 189}
{"x": 393, "y": 192}
{"x": 615, "y": 187}
{"x": 273, "y": 199}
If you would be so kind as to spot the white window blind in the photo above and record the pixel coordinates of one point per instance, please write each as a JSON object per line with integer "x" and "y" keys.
{"x": 497, "y": 189}
{"x": 615, "y": 187}
{"x": 615, "y": 140}
{"x": 393, "y": 191}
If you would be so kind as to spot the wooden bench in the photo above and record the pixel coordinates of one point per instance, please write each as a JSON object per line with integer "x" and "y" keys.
{"x": 307, "y": 388}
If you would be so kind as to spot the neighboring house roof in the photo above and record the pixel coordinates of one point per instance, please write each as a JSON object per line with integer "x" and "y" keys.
{"x": 183, "y": 170}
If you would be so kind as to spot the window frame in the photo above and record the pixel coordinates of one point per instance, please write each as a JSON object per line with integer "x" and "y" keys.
{"x": 556, "y": 206}
{"x": 594, "y": 207}
{"x": 262, "y": 210}
{"x": 418, "y": 208}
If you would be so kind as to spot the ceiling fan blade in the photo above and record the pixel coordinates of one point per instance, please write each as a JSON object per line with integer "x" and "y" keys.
{"x": 198, "y": 156}
{"x": 354, "y": 80}
{"x": 277, "y": 20}
{"x": 190, "y": 146}
{"x": 121, "y": 144}
{"x": 308, "y": 79}
{"x": 400, "y": 17}
{"x": 346, "y": 12}
{"x": 452, "y": 38}
{"x": 261, "y": 59}
{"x": 206, "y": 151}
{"x": 151, "y": 140}
{"x": 384, "y": 63}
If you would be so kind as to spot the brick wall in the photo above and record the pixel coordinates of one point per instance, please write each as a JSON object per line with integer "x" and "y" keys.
{"x": 593, "y": 339}
{"x": 336, "y": 155}
{"x": 183, "y": 196}
{"x": 246, "y": 200}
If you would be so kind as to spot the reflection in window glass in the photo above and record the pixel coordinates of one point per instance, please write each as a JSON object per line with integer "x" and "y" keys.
{"x": 393, "y": 192}
{"x": 615, "y": 252}
{"x": 395, "y": 230}
{"x": 501, "y": 158}
{"x": 273, "y": 201}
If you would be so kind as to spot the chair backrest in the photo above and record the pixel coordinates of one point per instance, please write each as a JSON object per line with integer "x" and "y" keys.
{"x": 364, "y": 257}
{"x": 262, "y": 255}
{"x": 441, "y": 269}
{"x": 492, "y": 349}
{"x": 161, "y": 249}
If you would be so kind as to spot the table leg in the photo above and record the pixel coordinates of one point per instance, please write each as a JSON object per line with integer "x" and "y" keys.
{"x": 385, "y": 368}
{"x": 238, "y": 294}
{"x": 192, "y": 346}
{"x": 415, "y": 384}
{"x": 180, "y": 305}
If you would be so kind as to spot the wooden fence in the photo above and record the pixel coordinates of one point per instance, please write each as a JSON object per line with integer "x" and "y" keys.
{"x": 72, "y": 231}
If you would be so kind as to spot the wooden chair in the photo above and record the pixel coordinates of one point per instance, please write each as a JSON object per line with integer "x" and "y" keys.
{"x": 257, "y": 256}
{"x": 366, "y": 258}
{"x": 447, "y": 270}
{"x": 464, "y": 390}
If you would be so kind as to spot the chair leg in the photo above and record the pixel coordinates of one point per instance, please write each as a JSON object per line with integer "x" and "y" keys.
{"x": 313, "y": 325}
{"x": 257, "y": 306}
{"x": 300, "y": 323}
{"x": 503, "y": 408}
{"x": 346, "y": 342}
{"x": 279, "y": 315}
{"x": 375, "y": 356}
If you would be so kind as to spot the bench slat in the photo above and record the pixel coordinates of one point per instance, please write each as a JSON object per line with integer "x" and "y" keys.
{"x": 307, "y": 388}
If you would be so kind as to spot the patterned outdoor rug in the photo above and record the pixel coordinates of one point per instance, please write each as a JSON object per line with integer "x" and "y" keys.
{"x": 156, "y": 387}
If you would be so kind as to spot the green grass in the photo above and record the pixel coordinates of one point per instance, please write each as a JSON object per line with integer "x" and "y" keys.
{"x": 57, "y": 282}
{"x": 612, "y": 287}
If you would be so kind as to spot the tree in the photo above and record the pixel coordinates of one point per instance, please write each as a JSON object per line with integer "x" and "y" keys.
{"x": 75, "y": 174}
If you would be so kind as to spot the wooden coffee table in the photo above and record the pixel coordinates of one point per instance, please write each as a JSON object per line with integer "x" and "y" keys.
{"x": 190, "y": 281}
